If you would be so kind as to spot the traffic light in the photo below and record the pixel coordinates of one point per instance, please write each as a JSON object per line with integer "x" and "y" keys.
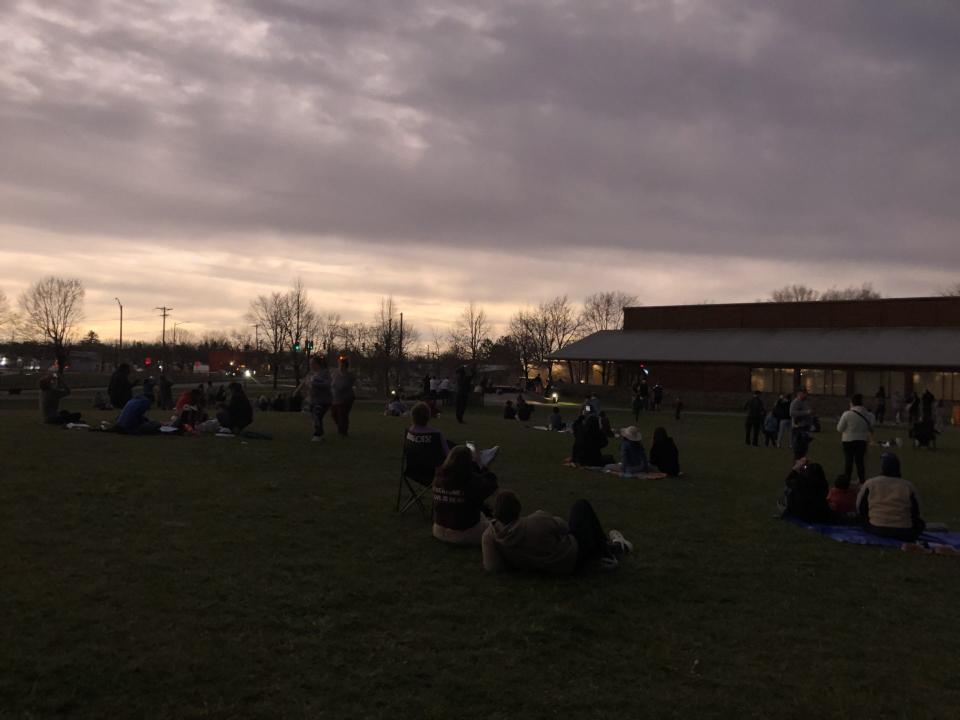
{"x": 296, "y": 347}
{"x": 309, "y": 345}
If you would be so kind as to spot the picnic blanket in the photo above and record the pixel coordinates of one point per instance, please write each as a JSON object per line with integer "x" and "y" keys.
{"x": 614, "y": 470}
{"x": 856, "y": 535}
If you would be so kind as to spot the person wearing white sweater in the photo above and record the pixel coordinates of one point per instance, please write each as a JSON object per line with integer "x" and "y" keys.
{"x": 855, "y": 427}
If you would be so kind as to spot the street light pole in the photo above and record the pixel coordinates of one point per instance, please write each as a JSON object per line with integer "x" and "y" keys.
{"x": 120, "y": 344}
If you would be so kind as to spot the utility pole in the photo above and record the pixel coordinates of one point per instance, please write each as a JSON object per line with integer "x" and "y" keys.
{"x": 120, "y": 344}
{"x": 164, "y": 312}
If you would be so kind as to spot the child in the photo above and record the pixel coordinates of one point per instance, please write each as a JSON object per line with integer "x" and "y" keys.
{"x": 556, "y": 422}
{"x": 771, "y": 426}
{"x": 842, "y": 499}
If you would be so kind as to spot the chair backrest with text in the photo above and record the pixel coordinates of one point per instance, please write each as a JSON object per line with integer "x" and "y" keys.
{"x": 423, "y": 454}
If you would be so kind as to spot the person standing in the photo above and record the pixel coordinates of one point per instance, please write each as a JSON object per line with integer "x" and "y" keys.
{"x": 318, "y": 385}
{"x": 754, "y": 421}
{"x": 781, "y": 411}
{"x": 166, "y": 392}
{"x": 855, "y": 427}
{"x": 881, "y": 406}
{"x": 343, "y": 396}
{"x": 636, "y": 407}
{"x": 927, "y": 400}
{"x": 464, "y": 386}
{"x": 657, "y": 397}
{"x": 644, "y": 392}
{"x": 913, "y": 408}
{"x": 801, "y": 416}
{"x": 425, "y": 385}
{"x": 897, "y": 407}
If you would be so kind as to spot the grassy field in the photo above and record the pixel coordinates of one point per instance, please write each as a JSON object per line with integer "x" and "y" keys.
{"x": 201, "y": 577}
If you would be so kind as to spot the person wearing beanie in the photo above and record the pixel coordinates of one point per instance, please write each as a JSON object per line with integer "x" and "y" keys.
{"x": 888, "y": 506}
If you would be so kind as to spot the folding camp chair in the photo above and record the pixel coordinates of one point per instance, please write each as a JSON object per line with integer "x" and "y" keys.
{"x": 422, "y": 455}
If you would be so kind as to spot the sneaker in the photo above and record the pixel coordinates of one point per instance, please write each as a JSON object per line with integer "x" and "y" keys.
{"x": 489, "y": 455}
{"x": 317, "y": 438}
{"x": 618, "y": 540}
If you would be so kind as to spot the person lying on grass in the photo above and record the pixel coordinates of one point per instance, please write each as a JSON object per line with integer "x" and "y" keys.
{"x": 887, "y": 504}
{"x": 546, "y": 543}
{"x": 460, "y": 489}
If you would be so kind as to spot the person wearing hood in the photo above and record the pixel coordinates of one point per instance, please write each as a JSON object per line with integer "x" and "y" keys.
{"x": 664, "y": 454}
{"x": 546, "y": 543}
{"x": 120, "y": 388}
{"x": 633, "y": 456}
{"x": 887, "y": 505}
{"x": 588, "y": 442}
{"x": 238, "y": 412}
{"x": 133, "y": 418}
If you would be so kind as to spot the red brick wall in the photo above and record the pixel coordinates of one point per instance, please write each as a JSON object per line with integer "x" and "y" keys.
{"x": 896, "y": 312}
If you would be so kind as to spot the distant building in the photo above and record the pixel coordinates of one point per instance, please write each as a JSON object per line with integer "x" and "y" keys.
{"x": 713, "y": 355}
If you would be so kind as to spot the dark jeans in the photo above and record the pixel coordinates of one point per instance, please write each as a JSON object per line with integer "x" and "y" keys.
{"x": 769, "y": 438}
{"x": 752, "y": 435}
{"x": 461, "y": 407}
{"x": 317, "y": 411}
{"x": 62, "y": 418}
{"x": 881, "y": 412}
{"x": 586, "y": 528}
{"x": 226, "y": 420}
{"x": 854, "y": 452}
{"x": 341, "y": 416}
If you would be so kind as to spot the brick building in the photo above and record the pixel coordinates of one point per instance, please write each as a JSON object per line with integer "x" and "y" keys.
{"x": 714, "y": 355}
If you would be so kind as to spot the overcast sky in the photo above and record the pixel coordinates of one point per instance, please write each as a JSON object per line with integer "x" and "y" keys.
{"x": 196, "y": 153}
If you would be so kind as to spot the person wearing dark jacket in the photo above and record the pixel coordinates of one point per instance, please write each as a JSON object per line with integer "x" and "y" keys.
{"x": 509, "y": 411}
{"x": 238, "y": 412}
{"x": 806, "y": 495}
{"x": 120, "y": 389}
{"x": 664, "y": 454}
{"x": 464, "y": 387}
{"x": 588, "y": 442}
{"x": 781, "y": 411}
{"x": 460, "y": 488}
{"x": 51, "y": 393}
{"x": 754, "y": 422}
{"x": 524, "y": 409}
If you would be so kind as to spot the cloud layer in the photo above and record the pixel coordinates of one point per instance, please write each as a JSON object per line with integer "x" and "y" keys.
{"x": 492, "y": 150}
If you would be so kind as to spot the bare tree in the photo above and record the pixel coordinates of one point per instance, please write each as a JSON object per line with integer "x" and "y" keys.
{"x": 470, "y": 331}
{"x": 951, "y": 290}
{"x": 269, "y": 313}
{"x": 4, "y": 309}
{"x": 301, "y": 325}
{"x": 864, "y": 292}
{"x": 604, "y": 310}
{"x": 392, "y": 337}
{"x": 51, "y": 308}
{"x": 794, "y": 293}
{"x": 329, "y": 331}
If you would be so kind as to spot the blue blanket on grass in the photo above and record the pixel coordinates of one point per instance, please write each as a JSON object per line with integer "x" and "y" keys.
{"x": 858, "y": 536}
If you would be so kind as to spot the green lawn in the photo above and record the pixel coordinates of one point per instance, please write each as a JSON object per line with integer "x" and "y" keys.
{"x": 201, "y": 577}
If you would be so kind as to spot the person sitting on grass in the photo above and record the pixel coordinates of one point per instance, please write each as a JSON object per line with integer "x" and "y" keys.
{"x": 556, "y": 422}
{"x": 633, "y": 456}
{"x": 842, "y": 499}
{"x": 396, "y": 408}
{"x": 524, "y": 409}
{"x": 545, "y": 543}
{"x": 887, "y": 505}
{"x": 805, "y": 495}
{"x": 120, "y": 388}
{"x": 588, "y": 443}
{"x": 51, "y": 393}
{"x": 509, "y": 411}
{"x": 664, "y": 455}
{"x": 189, "y": 408}
{"x": 237, "y": 413}
{"x": 133, "y": 418}
{"x": 460, "y": 488}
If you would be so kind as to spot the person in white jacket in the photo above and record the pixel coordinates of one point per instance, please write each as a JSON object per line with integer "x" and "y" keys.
{"x": 855, "y": 427}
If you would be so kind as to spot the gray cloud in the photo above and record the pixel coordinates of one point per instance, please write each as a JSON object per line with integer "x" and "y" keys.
{"x": 725, "y": 128}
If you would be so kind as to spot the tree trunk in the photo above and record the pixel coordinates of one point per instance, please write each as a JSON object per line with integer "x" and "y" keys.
{"x": 276, "y": 370}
